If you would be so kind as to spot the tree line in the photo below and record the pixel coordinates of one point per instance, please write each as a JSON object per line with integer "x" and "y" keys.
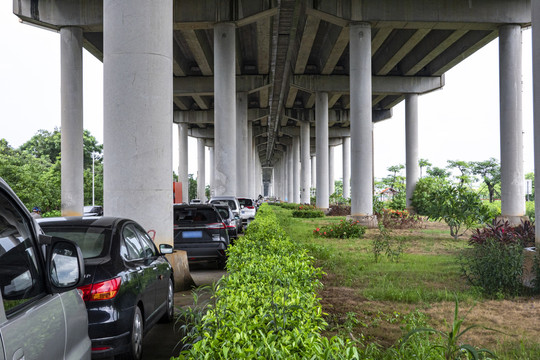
{"x": 33, "y": 170}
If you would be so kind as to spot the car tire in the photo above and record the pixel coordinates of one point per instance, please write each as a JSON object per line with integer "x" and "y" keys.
{"x": 221, "y": 264}
{"x": 169, "y": 313}
{"x": 137, "y": 331}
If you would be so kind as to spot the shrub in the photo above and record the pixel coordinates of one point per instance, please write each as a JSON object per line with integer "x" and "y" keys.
{"x": 343, "y": 229}
{"x": 383, "y": 242}
{"x": 397, "y": 219}
{"x": 496, "y": 267}
{"x": 267, "y": 307}
{"x": 503, "y": 232}
{"x": 339, "y": 210}
{"x": 307, "y": 213}
{"x": 529, "y": 210}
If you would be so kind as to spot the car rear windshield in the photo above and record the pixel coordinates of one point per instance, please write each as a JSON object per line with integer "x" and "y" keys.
{"x": 184, "y": 216}
{"x": 245, "y": 202}
{"x": 93, "y": 241}
{"x": 231, "y": 203}
{"x": 223, "y": 212}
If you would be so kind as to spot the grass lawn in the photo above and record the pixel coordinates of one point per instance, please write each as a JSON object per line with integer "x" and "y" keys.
{"x": 370, "y": 301}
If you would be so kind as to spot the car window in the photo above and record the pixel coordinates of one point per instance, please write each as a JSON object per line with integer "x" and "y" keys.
{"x": 93, "y": 241}
{"x": 245, "y": 202}
{"x": 133, "y": 245}
{"x": 20, "y": 277}
{"x": 224, "y": 213}
{"x": 231, "y": 203}
{"x": 149, "y": 249}
{"x": 188, "y": 215}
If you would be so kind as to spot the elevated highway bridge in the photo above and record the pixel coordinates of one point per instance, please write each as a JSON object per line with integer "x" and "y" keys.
{"x": 268, "y": 85}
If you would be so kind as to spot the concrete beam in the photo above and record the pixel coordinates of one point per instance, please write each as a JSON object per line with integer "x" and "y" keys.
{"x": 207, "y": 116}
{"x": 380, "y": 84}
{"x": 336, "y": 116}
{"x": 308, "y": 37}
{"x": 204, "y": 85}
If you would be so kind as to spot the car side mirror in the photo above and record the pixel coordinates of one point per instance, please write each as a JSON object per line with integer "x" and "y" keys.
{"x": 165, "y": 249}
{"x": 65, "y": 265}
{"x": 236, "y": 217}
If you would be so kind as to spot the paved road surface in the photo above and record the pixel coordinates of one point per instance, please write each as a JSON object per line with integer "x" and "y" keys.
{"x": 162, "y": 341}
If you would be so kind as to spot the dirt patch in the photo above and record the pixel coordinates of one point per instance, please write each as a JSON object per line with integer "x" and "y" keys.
{"x": 380, "y": 321}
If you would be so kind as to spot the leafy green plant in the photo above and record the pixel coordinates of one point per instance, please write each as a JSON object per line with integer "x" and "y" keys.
{"x": 399, "y": 219}
{"x": 505, "y": 233}
{"x": 495, "y": 267}
{"x": 307, "y": 213}
{"x": 267, "y": 307}
{"x": 343, "y": 229}
{"x": 458, "y": 206}
{"x": 452, "y": 346}
{"x": 384, "y": 243}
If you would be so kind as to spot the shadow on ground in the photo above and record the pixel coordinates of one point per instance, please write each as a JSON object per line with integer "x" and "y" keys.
{"x": 163, "y": 341}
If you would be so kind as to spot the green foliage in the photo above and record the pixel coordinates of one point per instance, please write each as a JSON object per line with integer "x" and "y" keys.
{"x": 307, "y": 213}
{"x": 464, "y": 168}
{"x": 495, "y": 267}
{"x": 458, "y": 206}
{"x": 452, "y": 346}
{"x": 48, "y": 144}
{"x": 192, "y": 187}
{"x": 343, "y": 229}
{"x": 267, "y": 307}
{"x": 490, "y": 173}
{"x": 383, "y": 242}
{"x": 98, "y": 184}
{"x": 397, "y": 219}
{"x": 529, "y": 210}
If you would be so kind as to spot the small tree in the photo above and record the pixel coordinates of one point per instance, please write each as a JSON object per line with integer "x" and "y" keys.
{"x": 490, "y": 172}
{"x": 192, "y": 188}
{"x": 458, "y": 206}
{"x": 464, "y": 168}
{"x": 423, "y": 163}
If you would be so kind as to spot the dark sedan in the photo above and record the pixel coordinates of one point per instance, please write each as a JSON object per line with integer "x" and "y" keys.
{"x": 201, "y": 232}
{"x": 128, "y": 283}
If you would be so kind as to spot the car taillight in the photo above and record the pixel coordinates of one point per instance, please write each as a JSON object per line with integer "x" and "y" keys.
{"x": 216, "y": 226}
{"x": 231, "y": 226}
{"x": 104, "y": 290}
{"x": 251, "y": 207}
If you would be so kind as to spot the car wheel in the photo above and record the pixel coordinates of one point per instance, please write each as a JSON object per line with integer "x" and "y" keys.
{"x": 221, "y": 264}
{"x": 169, "y": 314}
{"x": 135, "y": 348}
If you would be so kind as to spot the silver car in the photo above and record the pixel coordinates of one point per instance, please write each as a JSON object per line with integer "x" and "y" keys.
{"x": 42, "y": 314}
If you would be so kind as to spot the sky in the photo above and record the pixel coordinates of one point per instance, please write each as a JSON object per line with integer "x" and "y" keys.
{"x": 458, "y": 122}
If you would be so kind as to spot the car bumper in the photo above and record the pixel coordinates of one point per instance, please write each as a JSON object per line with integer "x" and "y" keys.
{"x": 109, "y": 329}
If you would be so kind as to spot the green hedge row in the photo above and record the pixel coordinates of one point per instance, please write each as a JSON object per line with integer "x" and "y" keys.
{"x": 307, "y": 213}
{"x": 267, "y": 307}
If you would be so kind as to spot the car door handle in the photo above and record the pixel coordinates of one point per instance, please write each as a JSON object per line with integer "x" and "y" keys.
{"x": 18, "y": 355}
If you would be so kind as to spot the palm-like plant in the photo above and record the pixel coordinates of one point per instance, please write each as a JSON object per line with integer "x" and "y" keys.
{"x": 452, "y": 347}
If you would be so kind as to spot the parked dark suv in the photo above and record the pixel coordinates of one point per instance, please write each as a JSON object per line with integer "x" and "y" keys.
{"x": 201, "y": 232}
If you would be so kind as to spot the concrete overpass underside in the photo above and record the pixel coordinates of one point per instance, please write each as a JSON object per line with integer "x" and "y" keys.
{"x": 332, "y": 66}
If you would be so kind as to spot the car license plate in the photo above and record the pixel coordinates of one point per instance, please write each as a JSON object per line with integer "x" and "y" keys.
{"x": 192, "y": 234}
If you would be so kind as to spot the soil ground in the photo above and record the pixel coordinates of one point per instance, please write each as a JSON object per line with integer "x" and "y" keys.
{"x": 378, "y": 321}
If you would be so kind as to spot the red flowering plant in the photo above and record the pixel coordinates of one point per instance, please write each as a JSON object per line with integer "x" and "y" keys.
{"x": 343, "y": 229}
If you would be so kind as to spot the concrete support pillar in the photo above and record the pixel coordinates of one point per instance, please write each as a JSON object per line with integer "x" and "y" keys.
{"x": 321, "y": 141}
{"x": 361, "y": 125}
{"x": 296, "y": 166}
{"x": 536, "y": 102}
{"x": 183, "y": 176}
{"x": 71, "y": 92}
{"x": 201, "y": 169}
{"x": 313, "y": 171}
{"x": 250, "y": 156}
{"x": 346, "y": 167}
{"x": 331, "y": 170}
{"x": 511, "y": 131}
{"x": 211, "y": 169}
{"x": 137, "y": 109}
{"x": 305, "y": 174}
{"x": 290, "y": 174}
{"x": 411, "y": 145}
{"x": 225, "y": 109}
{"x": 242, "y": 144}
